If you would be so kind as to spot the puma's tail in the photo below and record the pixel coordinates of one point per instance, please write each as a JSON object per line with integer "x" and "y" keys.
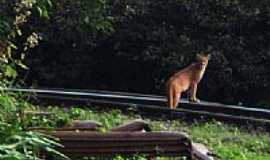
{"x": 170, "y": 97}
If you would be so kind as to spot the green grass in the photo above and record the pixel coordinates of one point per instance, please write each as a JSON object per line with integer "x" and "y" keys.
{"x": 231, "y": 142}
{"x": 227, "y": 141}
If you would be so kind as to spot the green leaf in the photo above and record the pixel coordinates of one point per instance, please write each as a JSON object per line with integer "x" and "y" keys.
{"x": 48, "y": 149}
{"x": 12, "y": 45}
{"x": 39, "y": 11}
{"x": 19, "y": 32}
{"x": 45, "y": 13}
{"x": 49, "y": 3}
{"x": 20, "y": 63}
{"x": 10, "y": 72}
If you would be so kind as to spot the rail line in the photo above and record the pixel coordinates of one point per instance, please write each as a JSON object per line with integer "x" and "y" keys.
{"x": 155, "y": 104}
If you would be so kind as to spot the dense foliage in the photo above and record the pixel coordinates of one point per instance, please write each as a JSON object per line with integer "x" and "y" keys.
{"x": 16, "y": 38}
{"x": 137, "y": 45}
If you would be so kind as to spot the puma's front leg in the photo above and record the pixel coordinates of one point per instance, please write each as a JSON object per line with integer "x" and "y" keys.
{"x": 193, "y": 92}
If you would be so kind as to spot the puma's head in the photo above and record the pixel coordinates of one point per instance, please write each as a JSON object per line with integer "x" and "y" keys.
{"x": 202, "y": 59}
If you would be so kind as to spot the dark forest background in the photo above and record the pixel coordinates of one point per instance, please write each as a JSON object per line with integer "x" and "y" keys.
{"x": 135, "y": 45}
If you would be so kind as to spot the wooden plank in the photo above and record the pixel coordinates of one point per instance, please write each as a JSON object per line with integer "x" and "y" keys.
{"x": 172, "y": 151}
{"x": 126, "y": 143}
{"x": 131, "y": 136}
{"x": 79, "y": 144}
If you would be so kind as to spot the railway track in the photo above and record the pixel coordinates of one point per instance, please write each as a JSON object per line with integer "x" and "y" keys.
{"x": 154, "y": 104}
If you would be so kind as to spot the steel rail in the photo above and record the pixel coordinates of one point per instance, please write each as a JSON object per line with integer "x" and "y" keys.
{"x": 152, "y": 102}
{"x": 177, "y": 113}
{"x": 129, "y": 96}
{"x": 96, "y": 94}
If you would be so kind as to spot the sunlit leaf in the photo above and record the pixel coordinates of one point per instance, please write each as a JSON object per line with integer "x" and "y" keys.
{"x": 49, "y": 3}
{"x": 39, "y": 11}
{"x": 20, "y": 63}
{"x": 10, "y": 72}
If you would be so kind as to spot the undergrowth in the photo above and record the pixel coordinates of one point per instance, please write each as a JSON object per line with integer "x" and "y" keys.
{"x": 229, "y": 142}
{"x": 16, "y": 143}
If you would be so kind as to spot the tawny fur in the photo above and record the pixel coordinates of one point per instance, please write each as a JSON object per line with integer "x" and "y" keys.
{"x": 186, "y": 79}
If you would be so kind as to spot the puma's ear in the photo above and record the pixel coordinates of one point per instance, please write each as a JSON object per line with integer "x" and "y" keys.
{"x": 208, "y": 56}
{"x": 199, "y": 56}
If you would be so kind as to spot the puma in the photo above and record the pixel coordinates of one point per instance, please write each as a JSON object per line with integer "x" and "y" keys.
{"x": 186, "y": 79}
